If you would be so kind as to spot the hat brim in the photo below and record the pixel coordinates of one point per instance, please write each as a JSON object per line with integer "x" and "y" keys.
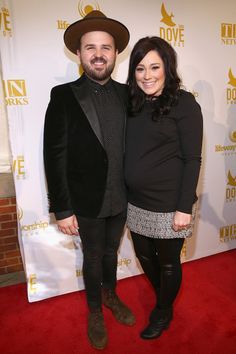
{"x": 77, "y": 29}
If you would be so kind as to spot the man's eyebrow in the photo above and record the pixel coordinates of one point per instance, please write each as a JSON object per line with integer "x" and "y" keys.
{"x": 93, "y": 45}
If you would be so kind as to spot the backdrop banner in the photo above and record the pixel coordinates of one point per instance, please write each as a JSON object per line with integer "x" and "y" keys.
{"x": 34, "y": 59}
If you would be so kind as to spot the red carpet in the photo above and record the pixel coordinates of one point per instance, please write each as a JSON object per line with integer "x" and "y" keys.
{"x": 204, "y": 318}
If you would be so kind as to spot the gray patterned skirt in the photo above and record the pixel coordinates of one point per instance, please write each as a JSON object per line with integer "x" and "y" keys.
{"x": 156, "y": 225}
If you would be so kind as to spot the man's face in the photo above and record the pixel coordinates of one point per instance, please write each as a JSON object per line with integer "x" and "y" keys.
{"x": 97, "y": 55}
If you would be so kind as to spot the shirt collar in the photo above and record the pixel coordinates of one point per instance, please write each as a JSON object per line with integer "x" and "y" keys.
{"x": 98, "y": 87}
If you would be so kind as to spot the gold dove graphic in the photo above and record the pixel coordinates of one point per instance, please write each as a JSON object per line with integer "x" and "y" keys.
{"x": 232, "y": 79}
{"x": 167, "y": 19}
{"x": 231, "y": 179}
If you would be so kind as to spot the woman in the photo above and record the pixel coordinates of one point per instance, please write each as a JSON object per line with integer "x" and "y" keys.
{"x": 163, "y": 157}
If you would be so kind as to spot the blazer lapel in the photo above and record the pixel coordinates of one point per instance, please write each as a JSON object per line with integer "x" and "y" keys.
{"x": 85, "y": 101}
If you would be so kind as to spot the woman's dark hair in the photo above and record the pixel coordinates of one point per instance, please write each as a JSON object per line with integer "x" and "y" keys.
{"x": 172, "y": 83}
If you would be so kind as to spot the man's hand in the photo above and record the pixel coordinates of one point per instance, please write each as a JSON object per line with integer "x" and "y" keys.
{"x": 69, "y": 226}
{"x": 181, "y": 221}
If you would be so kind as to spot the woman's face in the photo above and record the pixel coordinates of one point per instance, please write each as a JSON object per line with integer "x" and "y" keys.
{"x": 150, "y": 74}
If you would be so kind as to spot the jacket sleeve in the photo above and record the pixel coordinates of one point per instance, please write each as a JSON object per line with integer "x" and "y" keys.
{"x": 190, "y": 129}
{"x": 55, "y": 153}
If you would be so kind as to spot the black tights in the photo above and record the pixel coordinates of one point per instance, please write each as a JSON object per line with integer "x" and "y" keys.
{"x": 160, "y": 260}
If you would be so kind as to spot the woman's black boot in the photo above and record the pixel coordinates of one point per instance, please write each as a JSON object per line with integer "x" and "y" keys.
{"x": 159, "y": 321}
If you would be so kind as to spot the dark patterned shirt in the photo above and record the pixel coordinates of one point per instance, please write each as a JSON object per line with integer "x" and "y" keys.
{"x": 111, "y": 116}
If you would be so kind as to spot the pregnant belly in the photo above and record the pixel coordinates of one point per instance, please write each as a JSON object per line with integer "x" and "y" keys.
{"x": 148, "y": 176}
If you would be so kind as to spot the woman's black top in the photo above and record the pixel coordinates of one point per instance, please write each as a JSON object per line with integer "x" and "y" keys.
{"x": 163, "y": 157}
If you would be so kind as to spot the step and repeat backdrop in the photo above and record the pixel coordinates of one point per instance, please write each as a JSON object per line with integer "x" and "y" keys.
{"x": 34, "y": 59}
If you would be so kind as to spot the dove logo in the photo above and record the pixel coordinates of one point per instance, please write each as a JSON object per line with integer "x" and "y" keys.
{"x": 172, "y": 33}
{"x": 18, "y": 167}
{"x": 232, "y": 79}
{"x": 166, "y": 18}
{"x": 231, "y": 190}
{"x": 231, "y": 179}
{"x": 5, "y": 23}
{"x": 228, "y": 33}
{"x": 231, "y": 92}
{"x": 15, "y": 92}
{"x": 228, "y": 233}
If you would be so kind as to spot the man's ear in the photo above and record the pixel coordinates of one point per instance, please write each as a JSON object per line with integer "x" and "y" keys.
{"x": 78, "y": 53}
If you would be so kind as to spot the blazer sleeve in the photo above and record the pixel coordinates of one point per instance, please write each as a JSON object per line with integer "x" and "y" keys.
{"x": 55, "y": 152}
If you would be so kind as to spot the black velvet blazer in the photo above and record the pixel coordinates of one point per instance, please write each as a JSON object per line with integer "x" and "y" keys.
{"x": 74, "y": 156}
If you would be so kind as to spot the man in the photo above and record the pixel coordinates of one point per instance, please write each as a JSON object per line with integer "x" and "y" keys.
{"x": 83, "y": 155}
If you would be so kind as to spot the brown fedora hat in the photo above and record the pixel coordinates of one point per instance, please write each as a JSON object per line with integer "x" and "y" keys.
{"x": 96, "y": 21}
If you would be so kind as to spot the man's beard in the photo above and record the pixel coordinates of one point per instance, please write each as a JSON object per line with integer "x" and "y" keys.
{"x": 98, "y": 75}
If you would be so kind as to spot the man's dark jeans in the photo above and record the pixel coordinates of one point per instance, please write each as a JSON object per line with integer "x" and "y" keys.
{"x": 100, "y": 241}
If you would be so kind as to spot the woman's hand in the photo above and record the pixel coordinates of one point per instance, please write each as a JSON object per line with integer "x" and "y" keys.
{"x": 68, "y": 226}
{"x": 181, "y": 221}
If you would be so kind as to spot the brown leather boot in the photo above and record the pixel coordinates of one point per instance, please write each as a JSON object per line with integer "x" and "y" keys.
{"x": 120, "y": 311}
{"x": 97, "y": 332}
